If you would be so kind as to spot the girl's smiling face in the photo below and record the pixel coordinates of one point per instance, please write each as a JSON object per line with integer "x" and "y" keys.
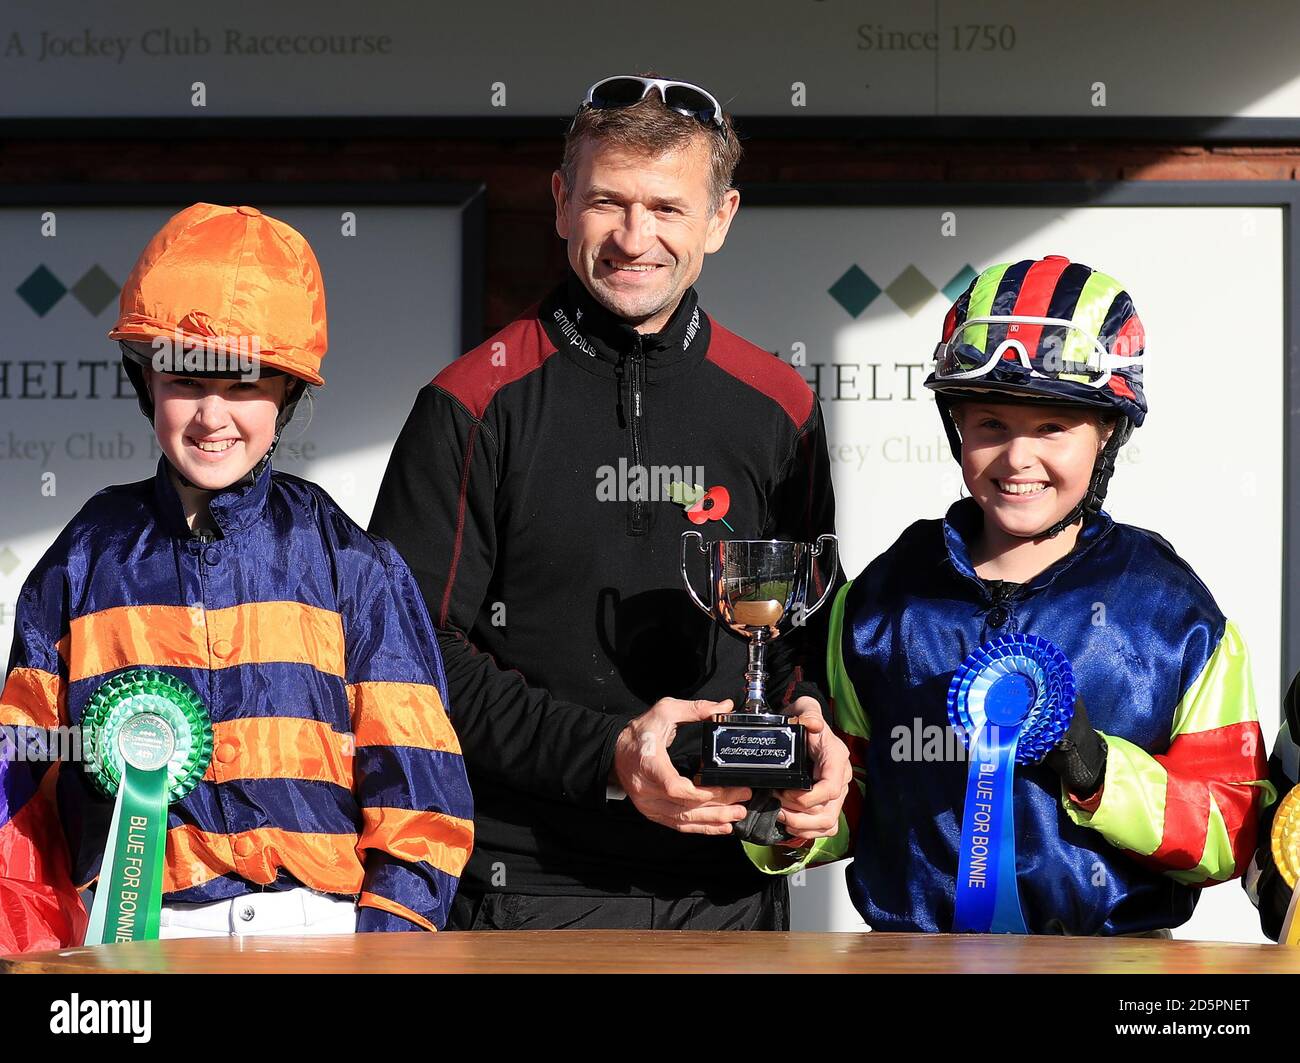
{"x": 1027, "y": 465}
{"x": 214, "y": 431}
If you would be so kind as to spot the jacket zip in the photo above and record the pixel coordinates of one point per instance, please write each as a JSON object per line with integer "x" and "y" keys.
{"x": 637, "y": 516}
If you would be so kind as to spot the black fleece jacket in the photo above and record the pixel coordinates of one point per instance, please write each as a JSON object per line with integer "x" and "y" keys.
{"x": 561, "y": 613}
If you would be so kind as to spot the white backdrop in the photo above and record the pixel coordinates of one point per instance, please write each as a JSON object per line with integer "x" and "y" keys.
{"x": 393, "y": 296}
{"x": 1205, "y": 471}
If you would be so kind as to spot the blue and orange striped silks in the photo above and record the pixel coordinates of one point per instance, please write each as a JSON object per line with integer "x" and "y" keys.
{"x": 334, "y": 765}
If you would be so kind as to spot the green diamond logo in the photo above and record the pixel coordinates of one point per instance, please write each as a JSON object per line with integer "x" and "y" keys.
{"x": 41, "y": 290}
{"x": 8, "y": 560}
{"x": 95, "y": 290}
{"x": 952, "y": 291}
{"x": 911, "y": 291}
{"x": 854, "y": 291}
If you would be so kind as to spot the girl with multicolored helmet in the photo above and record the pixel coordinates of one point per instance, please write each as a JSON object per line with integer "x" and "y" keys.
{"x": 1153, "y": 790}
{"x": 335, "y": 798}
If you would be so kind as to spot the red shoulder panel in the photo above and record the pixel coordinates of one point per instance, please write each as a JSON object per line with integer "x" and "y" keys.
{"x": 503, "y": 358}
{"x": 762, "y": 371}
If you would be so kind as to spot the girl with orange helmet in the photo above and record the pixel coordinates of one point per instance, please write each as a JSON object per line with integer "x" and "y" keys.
{"x": 325, "y": 788}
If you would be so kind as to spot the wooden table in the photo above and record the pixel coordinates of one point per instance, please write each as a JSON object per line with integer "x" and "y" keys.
{"x": 612, "y": 951}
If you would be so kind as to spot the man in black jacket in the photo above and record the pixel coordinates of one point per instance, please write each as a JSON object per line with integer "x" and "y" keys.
{"x": 535, "y": 491}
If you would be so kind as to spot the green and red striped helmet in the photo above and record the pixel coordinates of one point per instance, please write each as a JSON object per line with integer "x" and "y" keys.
{"x": 1048, "y": 329}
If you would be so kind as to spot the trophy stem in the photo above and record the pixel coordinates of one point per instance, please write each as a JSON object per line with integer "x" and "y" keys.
{"x": 756, "y": 675}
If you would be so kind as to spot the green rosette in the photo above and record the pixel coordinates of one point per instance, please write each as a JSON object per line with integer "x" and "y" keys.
{"x": 146, "y": 741}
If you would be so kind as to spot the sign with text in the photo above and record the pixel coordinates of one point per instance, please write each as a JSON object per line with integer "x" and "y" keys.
{"x": 810, "y": 57}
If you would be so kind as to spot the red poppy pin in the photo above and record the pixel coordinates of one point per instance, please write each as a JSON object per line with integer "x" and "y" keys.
{"x": 702, "y": 506}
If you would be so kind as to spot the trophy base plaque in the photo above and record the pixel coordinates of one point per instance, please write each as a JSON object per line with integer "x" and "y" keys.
{"x": 760, "y": 750}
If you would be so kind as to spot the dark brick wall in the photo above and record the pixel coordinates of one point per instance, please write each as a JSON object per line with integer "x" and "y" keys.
{"x": 524, "y": 256}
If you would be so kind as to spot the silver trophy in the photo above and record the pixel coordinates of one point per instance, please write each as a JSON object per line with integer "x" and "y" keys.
{"x": 759, "y": 590}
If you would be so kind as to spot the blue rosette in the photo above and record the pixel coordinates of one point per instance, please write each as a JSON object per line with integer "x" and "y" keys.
{"x": 1021, "y": 681}
{"x": 1011, "y": 700}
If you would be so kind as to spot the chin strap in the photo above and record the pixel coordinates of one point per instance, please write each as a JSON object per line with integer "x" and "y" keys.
{"x": 297, "y": 389}
{"x": 247, "y": 480}
{"x": 1102, "y": 471}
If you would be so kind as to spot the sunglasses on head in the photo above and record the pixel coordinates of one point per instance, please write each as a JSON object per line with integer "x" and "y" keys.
{"x": 626, "y": 90}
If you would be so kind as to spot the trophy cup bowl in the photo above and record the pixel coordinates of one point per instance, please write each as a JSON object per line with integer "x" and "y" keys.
{"x": 759, "y": 589}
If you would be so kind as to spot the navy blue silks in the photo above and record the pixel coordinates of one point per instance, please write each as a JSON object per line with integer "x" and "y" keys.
{"x": 1137, "y": 626}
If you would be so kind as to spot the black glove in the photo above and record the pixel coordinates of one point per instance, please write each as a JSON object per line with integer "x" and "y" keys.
{"x": 1274, "y": 896}
{"x": 760, "y": 826}
{"x": 1080, "y": 756}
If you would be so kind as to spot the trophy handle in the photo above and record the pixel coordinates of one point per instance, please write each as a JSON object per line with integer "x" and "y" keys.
{"x": 686, "y": 576}
{"x": 816, "y": 552}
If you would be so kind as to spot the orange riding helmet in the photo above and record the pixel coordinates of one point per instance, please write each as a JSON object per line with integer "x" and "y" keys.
{"x": 217, "y": 274}
{"x": 220, "y": 279}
